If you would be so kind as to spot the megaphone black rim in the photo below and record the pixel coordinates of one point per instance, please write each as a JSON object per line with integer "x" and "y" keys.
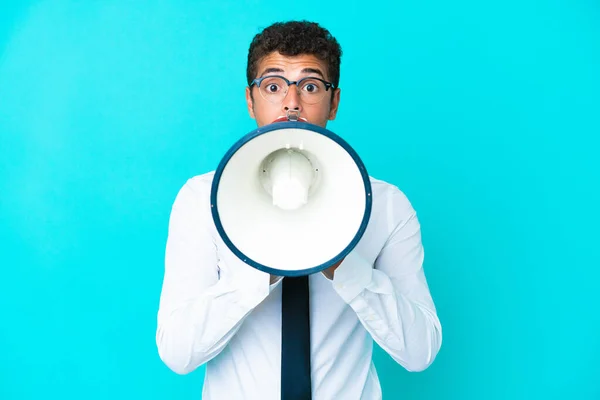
{"x": 290, "y": 125}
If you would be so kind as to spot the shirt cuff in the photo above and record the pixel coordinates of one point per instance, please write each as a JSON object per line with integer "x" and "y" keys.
{"x": 352, "y": 276}
{"x": 272, "y": 286}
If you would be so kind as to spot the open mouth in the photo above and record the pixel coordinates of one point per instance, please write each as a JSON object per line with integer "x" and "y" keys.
{"x": 284, "y": 119}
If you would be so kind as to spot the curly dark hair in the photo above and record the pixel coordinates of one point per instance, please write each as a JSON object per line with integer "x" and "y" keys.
{"x": 294, "y": 38}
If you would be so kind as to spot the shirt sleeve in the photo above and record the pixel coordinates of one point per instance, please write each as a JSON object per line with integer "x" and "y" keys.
{"x": 391, "y": 296}
{"x": 198, "y": 312}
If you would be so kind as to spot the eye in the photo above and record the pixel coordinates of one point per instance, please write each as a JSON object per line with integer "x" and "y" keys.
{"x": 272, "y": 88}
{"x": 312, "y": 87}
{"x": 272, "y": 85}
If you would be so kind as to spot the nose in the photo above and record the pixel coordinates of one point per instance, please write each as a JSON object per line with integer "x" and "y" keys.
{"x": 292, "y": 100}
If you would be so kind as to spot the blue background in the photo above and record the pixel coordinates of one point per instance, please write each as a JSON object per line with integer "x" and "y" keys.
{"x": 486, "y": 114}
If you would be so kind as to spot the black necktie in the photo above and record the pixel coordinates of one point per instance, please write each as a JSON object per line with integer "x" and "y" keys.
{"x": 295, "y": 340}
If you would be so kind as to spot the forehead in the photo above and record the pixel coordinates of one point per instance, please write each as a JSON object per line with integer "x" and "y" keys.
{"x": 291, "y": 65}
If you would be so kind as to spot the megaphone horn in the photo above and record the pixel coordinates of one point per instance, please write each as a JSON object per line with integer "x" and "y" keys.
{"x": 291, "y": 198}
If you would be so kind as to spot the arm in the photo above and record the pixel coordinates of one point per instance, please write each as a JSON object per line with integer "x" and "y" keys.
{"x": 199, "y": 312}
{"x": 392, "y": 300}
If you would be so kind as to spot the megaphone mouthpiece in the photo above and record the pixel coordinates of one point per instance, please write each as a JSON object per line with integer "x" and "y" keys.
{"x": 290, "y": 116}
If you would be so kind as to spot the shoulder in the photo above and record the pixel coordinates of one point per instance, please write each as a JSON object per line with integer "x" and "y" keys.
{"x": 200, "y": 183}
{"x": 388, "y": 192}
{"x": 195, "y": 191}
{"x": 390, "y": 202}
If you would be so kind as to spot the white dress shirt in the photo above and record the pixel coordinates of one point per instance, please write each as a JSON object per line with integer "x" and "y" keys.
{"x": 216, "y": 310}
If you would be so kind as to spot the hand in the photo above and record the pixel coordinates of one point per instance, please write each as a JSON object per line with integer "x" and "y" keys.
{"x": 329, "y": 272}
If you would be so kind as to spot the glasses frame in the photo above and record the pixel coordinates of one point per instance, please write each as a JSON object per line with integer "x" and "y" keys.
{"x": 258, "y": 81}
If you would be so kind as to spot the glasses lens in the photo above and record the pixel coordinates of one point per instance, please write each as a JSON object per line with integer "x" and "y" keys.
{"x": 312, "y": 90}
{"x": 274, "y": 89}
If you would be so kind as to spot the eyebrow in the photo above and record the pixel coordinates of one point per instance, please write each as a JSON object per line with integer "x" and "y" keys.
{"x": 304, "y": 71}
{"x": 313, "y": 71}
{"x": 269, "y": 70}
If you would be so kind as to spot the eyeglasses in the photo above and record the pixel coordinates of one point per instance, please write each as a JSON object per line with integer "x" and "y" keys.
{"x": 274, "y": 88}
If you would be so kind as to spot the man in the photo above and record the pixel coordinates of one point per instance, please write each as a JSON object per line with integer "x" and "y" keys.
{"x": 217, "y": 310}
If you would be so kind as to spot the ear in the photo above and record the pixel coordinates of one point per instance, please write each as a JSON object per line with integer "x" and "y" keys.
{"x": 335, "y": 102}
{"x": 249, "y": 102}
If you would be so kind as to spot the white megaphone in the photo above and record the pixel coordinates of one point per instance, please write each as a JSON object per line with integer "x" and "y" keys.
{"x": 291, "y": 198}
